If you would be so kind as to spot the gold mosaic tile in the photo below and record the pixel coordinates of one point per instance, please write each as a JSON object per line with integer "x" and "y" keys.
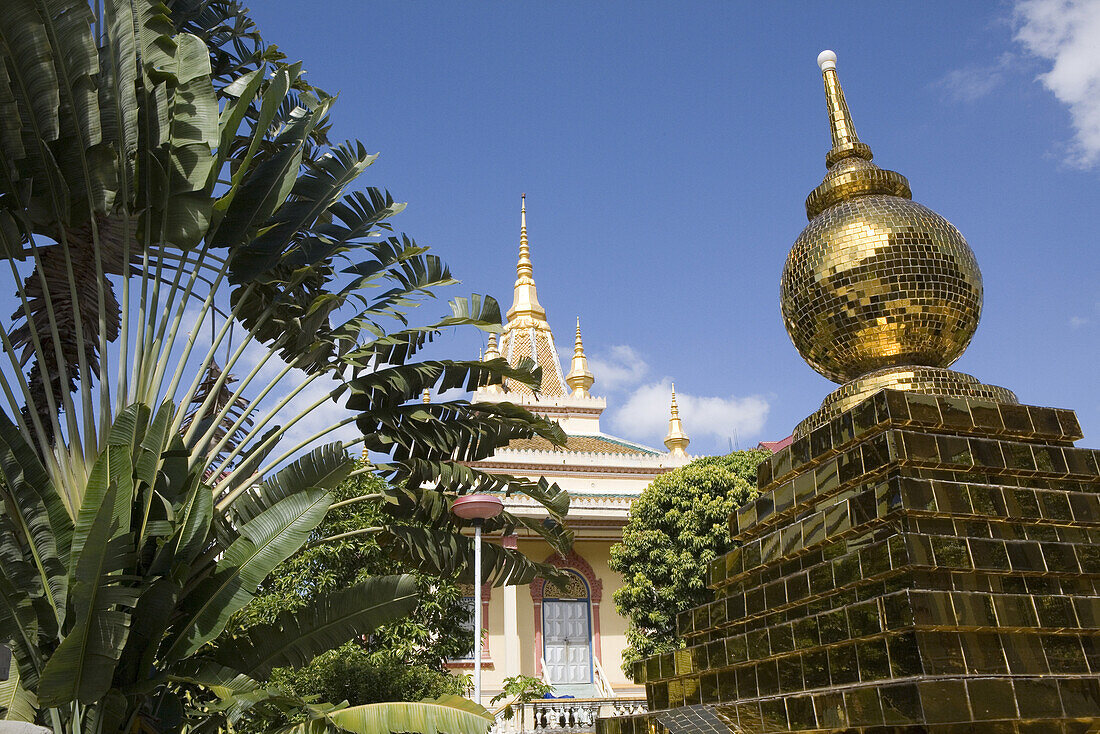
{"x": 937, "y": 566}
{"x": 879, "y": 281}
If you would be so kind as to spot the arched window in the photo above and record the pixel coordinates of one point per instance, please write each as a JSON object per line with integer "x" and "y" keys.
{"x": 468, "y": 601}
{"x": 567, "y": 631}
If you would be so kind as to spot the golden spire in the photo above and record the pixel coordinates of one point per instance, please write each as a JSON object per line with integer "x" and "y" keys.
{"x": 878, "y": 291}
{"x": 579, "y": 377}
{"x": 491, "y": 353}
{"x": 676, "y": 440}
{"x": 851, "y": 173}
{"x": 525, "y": 301}
{"x": 846, "y": 143}
{"x": 427, "y": 396}
{"x": 526, "y": 333}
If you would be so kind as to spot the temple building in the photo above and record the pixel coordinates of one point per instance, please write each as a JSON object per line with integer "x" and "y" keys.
{"x": 572, "y": 638}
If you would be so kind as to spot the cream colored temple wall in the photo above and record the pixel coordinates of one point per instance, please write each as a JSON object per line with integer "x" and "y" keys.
{"x": 513, "y": 647}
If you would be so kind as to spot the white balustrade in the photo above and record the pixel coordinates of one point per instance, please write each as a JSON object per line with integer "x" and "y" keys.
{"x": 566, "y": 715}
{"x": 628, "y": 707}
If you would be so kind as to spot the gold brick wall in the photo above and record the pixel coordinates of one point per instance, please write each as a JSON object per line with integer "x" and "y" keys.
{"x": 918, "y": 564}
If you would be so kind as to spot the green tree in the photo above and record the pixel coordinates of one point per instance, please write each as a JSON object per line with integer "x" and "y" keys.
{"x": 434, "y": 632}
{"x": 678, "y": 525}
{"x": 401, "y": 660}
{"x": 353, "y": 674}
{"x": 150, "y": 184}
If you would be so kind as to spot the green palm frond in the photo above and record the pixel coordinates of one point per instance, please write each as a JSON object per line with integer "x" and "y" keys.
{"x": 297, "y": 637}
{"x": 165, "y": 174}
{"x": 16, "y": 702}
{"x": 265, "y": 541}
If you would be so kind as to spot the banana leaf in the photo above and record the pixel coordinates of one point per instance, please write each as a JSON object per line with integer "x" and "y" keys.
{"x": 297, "y": 637}
{"x": 449, "y": 714}
{"x": 16, "y": 703}
{"x": 265, "y": 542}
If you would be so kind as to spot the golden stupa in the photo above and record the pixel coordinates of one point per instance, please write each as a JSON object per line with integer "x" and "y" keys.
{"x": 878, "y": 291}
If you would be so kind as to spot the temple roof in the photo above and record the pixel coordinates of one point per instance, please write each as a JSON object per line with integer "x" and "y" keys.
{"x": 776, "y": 446}
{"x": 561, "y": 398}
{"x": 583, "y": 444}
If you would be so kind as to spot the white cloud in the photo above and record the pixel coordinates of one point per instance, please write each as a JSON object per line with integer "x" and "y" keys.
{"x": 1076, "y": 322}
{"x": 621, "y": 367}
{"x": 645, "y": 414}
{"x": 1065, "y": 32}
{"x": 974, "y": 82}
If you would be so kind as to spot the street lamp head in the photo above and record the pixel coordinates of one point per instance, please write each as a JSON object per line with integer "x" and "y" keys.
{"x": 478, "y": 507}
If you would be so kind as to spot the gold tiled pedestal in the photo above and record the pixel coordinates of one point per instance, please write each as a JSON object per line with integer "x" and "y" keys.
{"x": 917, "y": 564}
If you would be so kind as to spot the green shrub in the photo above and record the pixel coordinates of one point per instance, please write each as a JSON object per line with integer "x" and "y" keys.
{"x": 352, "y": 674}
{"x": 677, "y": 526}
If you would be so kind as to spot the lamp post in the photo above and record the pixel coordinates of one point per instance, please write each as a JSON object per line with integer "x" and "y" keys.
{"x": 477, "y": 508}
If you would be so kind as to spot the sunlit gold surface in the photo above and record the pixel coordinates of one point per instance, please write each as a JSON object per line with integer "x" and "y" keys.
{"x": 875, "y": 280}
{"x": 916, "y": 565}
{"x": 580, "y": 378}
{"x": 924, "y": 556}
{"x": 525, "y": 299}
{"x": 676, "y": 441}
{"x": 526, "y": 333}
{"x": 491, "y": 353}
{"x": 845, "y": 140}
{"x": 928, "y": 380}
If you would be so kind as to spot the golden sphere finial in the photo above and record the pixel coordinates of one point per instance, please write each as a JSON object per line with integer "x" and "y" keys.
{"x": 875, "y": 280}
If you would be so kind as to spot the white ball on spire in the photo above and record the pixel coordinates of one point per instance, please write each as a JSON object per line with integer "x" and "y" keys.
{"x": 826, "y": 60}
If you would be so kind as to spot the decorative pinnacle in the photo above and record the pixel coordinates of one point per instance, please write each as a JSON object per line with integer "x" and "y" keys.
{"x": 846, "y": 143}
{"x": 491, "y": 353}
{"x": 851, "y": 172}
{"x": 523, "y": 267}
{"x": 427, "y": 397}
{"x": 676, "y": 440}
{"x": 579, "y": 377}
{"x": 525, "y": 301}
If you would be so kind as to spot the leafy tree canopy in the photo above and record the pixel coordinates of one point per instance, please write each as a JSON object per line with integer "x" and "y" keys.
{"x": 352, "y": 674}
{"x": 676, "y": 528}
{"x": 434, "y": 632}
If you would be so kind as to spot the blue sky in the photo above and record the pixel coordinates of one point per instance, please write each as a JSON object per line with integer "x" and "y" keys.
{"x": 666, "y": 151}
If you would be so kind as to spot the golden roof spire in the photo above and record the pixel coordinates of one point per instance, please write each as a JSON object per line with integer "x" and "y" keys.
{"x": 676, "y": 440}
{"x": 427, "y": 396}
{"x": 525, "y": 301}
{"x": 878, "y": 291}
{"x": 526, "y": 333}
{"x": 491, "y": 353}
{"x": 579, "y": 377}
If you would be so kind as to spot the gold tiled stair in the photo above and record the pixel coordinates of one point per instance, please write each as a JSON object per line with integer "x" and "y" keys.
{"x": 917, "y": 564}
